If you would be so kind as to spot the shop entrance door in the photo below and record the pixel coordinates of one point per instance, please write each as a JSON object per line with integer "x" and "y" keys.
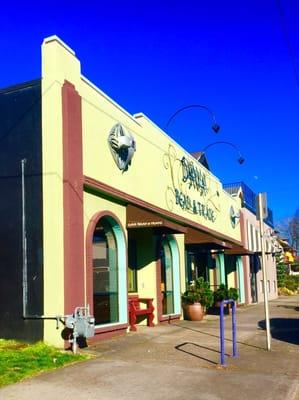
{"x": 166, "y": 278}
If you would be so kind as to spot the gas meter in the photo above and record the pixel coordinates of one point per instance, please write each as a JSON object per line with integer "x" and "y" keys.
{"x": 81, "y": 323}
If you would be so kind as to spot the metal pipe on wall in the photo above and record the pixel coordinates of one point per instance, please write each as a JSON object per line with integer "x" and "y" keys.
{"x": 24, "y": 241}
{"x": 26, "y": 315}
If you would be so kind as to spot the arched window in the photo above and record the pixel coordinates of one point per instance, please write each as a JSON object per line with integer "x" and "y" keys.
{"x": 105, "y": 273}
{"x": 166, "y": 278}
{"x": 170, "y": 276}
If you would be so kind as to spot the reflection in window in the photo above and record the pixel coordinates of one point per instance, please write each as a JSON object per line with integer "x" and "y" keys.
{"x": 166, "y": 278}
{"x": 105, "y": 274}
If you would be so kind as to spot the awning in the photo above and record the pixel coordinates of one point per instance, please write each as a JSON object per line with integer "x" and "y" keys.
{"x": 139, "y": 218}
{"x": 238, "y": 251}
{"x": 197, "y": 238}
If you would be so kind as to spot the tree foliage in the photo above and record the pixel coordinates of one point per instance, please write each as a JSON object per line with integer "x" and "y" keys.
{"x": 294, "y": 230}
{"x": 282, "y": 272}
{"x": 289, "y": 229}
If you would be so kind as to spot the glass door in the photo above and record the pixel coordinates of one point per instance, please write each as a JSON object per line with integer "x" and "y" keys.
{"x": 105, "y": 274}
{"x": 166, "y": 278}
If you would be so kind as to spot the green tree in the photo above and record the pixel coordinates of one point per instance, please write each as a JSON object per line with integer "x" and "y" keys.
{"x": 294, "y": 231}
{"x": 289, "y": 229}
{"x": 282, "y": 273}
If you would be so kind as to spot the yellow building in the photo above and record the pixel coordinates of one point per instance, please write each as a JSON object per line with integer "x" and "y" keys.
{"x": 125, "y": 209}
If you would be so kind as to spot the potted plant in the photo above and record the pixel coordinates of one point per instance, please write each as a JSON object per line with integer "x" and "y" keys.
{"x": 196, "y": 299}
{"x": 233, "y": 294}
{"x": 220, "y": 294}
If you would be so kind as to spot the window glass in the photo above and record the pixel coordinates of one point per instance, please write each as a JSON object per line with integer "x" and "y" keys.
{"x": 105, "y": 274}
{"x": 166, "y": 278}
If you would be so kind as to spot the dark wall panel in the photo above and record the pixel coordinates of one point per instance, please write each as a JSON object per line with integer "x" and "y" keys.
{"x": 20, "y": 138}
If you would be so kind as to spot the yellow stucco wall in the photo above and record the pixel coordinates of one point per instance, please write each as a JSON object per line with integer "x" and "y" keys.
{"x": 231, "y": 280}
{"x": 147, "y": 268}
{"x": 53, "y": 187}
{"x": 211, "y": 279}
{"x": 153, "y": 176}
{"x": 155, "y": 171}
{"x": 157, "y": 158}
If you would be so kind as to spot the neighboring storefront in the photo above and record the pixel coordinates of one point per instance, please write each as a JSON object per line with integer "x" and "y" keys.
{"x": 252, "y": 256}
{"x": 252, "y": 263}
{"x": 120, "y": 208}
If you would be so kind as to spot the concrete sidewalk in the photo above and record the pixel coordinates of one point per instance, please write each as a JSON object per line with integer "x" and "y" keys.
{"x": 181, "y": 361}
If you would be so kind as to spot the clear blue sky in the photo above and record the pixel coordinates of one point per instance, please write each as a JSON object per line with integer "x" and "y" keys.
{"x": 158, "y": 56}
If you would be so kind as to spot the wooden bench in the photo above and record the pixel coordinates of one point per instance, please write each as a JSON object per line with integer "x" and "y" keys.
{"x": 135, "y": 310}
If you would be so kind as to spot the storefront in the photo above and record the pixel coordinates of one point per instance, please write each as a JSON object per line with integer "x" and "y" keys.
{"x": 249, "y": 258}
{"x": 125, "y": 210}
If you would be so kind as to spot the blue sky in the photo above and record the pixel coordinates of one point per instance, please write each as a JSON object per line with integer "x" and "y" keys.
{"x": 158, "y": 56}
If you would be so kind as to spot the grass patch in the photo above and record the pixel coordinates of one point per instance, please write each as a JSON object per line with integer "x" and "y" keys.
{"x": 20, "y": 360}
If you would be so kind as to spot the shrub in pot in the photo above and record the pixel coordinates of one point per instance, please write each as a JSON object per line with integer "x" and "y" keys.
{"x": 196, "y": 299}
{"x": 220, "y": 294}
{"x": 233, "y": 294}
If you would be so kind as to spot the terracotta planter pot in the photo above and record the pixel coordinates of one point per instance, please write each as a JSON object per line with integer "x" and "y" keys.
{"x": 193, "y": 312}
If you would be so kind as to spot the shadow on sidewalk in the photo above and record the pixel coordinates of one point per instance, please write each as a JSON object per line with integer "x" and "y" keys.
{"x": 295, "y": 308}
{"x": 191, "y": 348}
{"x": 217, "y": 336}
{"x": 284, "y": 329}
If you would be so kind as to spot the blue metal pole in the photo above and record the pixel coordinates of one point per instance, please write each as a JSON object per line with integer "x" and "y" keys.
{"x": 222, "y": 360}
{"x": 234, "y": 330}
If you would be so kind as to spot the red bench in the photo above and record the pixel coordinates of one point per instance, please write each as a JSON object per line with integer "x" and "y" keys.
{"x": 135, "y": 310}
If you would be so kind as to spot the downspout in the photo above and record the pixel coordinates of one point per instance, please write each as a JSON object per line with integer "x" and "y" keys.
{"x": 24, "y": 242}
